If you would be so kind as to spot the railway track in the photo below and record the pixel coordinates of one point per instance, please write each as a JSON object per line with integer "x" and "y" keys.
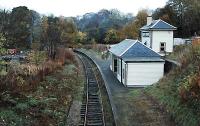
{"x": 91, "y": 109}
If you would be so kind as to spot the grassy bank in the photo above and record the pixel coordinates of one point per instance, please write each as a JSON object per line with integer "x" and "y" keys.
{"x": 41, "y": 95}
{"x": 179, "y": 91}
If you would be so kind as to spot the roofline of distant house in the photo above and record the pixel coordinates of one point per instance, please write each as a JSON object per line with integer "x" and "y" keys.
{"x": 160, "y": 29}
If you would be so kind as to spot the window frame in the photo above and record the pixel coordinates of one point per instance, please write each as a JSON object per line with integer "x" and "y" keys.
{"x": 145, "y": 34}
{"x": 164, "y": 46}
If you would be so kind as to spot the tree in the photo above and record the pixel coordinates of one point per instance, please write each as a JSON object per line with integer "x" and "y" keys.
{"x": 81, "y": 37}
{"x": 112, "y": 37}
{"x": 183, "y": 14}
{"x": 36, "y": 28}
{"x": 53, "y": 35}
{"x": 97, "y": 24}
{"x": 20, "y": 27}
{"x": 44, "y": 36}
{"x": 2, "y": 44}
{"x": 132, "y": 30}
{"x": 68, "y": 30}
{"x": 141, "y": 18}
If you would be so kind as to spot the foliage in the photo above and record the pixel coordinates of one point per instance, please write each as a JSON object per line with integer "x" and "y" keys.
{"x": 9, "y": 117}
{"x": 37, "y": 57}
{"x": 181, "y": 13}
{"x": 81, "y": 37}
{"x": 20, "y": 24}
{"x": 2, "y": 44}
{"x": 179, "y": 90}
{"x": 30, "y": 98}
{"x": 95, "y": 25}
{"x": 68, "y": 30}
{"x": 112, "y": 36}
{"x": 57, "y": 31}
{"x": 132, "y": 30}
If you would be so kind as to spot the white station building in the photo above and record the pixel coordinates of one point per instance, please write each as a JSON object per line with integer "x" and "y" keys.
{"x": 138, "y": 64}
{"x": 135, "y": 64}
{"x": 158, "y": 35}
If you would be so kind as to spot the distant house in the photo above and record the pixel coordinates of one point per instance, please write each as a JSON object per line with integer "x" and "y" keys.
{"x": 136, "y": 65}
{"x": 158, "y": 35}
{"x": 181, "y": 41}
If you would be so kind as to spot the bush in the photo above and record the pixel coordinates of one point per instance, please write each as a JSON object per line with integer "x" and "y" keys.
{"x": 37, "y": 57}
{"x": 179, "y": 90}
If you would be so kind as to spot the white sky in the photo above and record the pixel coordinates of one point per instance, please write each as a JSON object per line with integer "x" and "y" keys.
{"x": 80, "y": 7}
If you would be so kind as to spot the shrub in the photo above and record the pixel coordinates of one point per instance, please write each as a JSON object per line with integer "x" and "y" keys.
{"x": 22, "y": 107}
{"x": 37, "y": 57}
{"x": 9, "y": 117}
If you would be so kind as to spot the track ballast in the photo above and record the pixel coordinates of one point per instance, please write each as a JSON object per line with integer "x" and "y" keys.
{"x": 91, "y": 109}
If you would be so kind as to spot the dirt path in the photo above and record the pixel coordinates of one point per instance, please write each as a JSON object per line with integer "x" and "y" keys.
{"x": 136, "y": 109}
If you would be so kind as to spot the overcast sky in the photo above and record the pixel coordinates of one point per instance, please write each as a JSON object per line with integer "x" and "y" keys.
{"x": 80, "y": 7}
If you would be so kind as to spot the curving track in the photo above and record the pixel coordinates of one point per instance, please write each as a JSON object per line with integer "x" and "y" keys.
{"x": 91, "y": 109}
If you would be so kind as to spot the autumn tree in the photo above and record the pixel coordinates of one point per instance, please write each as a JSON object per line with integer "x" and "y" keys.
{"x": 132, "y": 30}
{"x": 184, "y": 14}
{"x": 81, "y": 37}
{"x": 68, "y": 30}
{"x": 2, "y": 44}
{"x": 112, "y": 36}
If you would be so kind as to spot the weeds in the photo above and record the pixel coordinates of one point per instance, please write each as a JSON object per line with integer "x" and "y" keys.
{"x": 179, "y": 90}
{"x": 39, "y": 92}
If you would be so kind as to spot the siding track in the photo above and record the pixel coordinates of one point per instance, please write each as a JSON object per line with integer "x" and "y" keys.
{"x": 91, "y": 109}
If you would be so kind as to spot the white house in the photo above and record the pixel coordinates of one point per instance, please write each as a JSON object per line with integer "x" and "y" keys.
{"x": 136, "y": 65}
{"x": 158, "y": 35}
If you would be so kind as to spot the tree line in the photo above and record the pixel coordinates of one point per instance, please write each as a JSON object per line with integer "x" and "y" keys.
{"x": 23, "y": 28}
{"x": 184, "y": 14}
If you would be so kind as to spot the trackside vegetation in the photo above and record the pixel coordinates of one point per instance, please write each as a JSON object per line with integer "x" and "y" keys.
{"x": 40, "y": 92}
{"x": 178, "y": 91}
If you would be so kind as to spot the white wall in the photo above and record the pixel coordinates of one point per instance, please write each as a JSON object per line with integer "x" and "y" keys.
{"x": 123, "y": 67}
{"x": 162, "y": 36}
{"x": 140, "y": 74}
{"x": 111, "y": 65}
{"x": 119, "y": 69}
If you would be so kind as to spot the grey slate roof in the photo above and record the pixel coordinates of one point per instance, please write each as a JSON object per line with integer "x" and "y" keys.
{"x": 121, "y": 47}
{"x": 158, "y": 25}
{"x": 134, "y": 50}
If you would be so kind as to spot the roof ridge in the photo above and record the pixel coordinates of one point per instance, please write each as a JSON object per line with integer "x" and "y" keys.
{"x": 155, "y": 23}
{"x": 168, "y": 23}
{"x": 128, "y": 47}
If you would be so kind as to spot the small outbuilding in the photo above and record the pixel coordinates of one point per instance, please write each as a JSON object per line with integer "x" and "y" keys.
{"x": 135, "y": 64}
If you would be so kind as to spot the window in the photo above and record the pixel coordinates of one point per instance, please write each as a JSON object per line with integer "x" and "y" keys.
{"x": 115, "y": 65}
{"x": 145, "y": 34}
{"x": 162, "y": 46}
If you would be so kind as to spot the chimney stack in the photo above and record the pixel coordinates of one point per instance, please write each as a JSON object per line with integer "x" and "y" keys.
{"x": 149, "y": 20}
